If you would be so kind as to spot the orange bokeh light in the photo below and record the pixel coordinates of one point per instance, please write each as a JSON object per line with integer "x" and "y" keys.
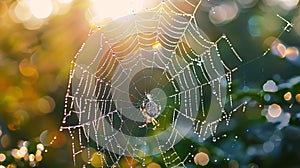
{"x": 287, "y": 96}
{"x": 201, "y": 158}
{"x": 27, "y": 69}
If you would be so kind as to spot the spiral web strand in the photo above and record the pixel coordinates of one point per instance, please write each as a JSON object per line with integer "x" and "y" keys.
{"x": 162, "y": 52}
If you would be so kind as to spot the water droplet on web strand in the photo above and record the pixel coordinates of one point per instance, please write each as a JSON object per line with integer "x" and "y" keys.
{"x": 214, "y": 139}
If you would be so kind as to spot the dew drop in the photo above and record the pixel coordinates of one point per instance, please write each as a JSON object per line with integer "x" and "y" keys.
{"x": 214, "y": 139}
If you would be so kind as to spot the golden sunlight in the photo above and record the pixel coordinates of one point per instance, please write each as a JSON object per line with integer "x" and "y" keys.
{"x": 41, "y": 9}
{"x": 103, "y": 9}
{"x": 156, "y": 44}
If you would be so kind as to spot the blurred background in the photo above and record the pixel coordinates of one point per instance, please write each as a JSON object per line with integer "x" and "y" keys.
{"x": 39, "y": 39}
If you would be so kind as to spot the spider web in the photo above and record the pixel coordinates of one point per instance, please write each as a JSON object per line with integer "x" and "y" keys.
{"x": 162, "y": 52}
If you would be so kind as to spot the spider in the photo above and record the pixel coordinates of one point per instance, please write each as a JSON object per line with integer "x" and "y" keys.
{"x": 151, "y": 111}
